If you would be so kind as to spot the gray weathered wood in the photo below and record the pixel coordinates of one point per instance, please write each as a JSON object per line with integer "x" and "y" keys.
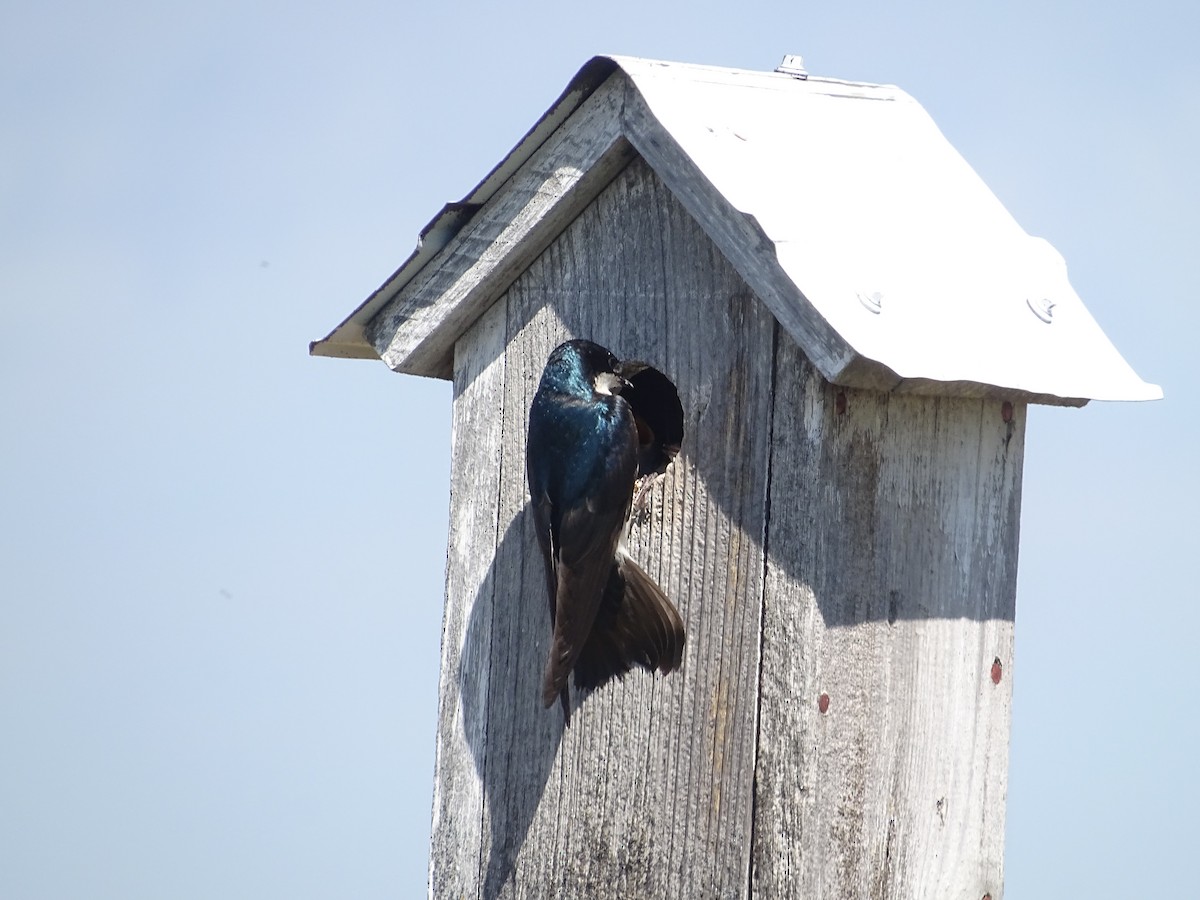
{"x": 861, "y": 547}
{"x": 867, "y": 554}
{"x": 891, "y": 576}
{"x": 463, "y": 685}
{"x": 416, "y": 330}
{"x": 649, "y": 793}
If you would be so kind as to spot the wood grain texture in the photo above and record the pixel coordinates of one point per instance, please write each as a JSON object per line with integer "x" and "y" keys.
{"x": 649, "y": 792}
{"x": 817, "y": 540}
{"x": 891, "y": 576}
{"x": 463, "y": 685}
{"x": 416, "y": 330}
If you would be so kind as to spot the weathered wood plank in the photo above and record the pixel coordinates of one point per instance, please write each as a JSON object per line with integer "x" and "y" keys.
{"x": 521, "y": 739}
{"x": 649, "y": 792}
{"x": 891, "y": 578}
{"x": 463, "y": 689}
{"x": 416, "y": 330}
{"x": 884, "y": 580}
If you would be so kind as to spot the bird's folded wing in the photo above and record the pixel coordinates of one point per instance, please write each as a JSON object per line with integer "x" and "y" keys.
{"x": 587, "y": 542}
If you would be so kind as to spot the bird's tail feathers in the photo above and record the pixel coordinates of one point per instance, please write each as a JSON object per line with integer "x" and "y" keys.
{"x": 636, "y": 625}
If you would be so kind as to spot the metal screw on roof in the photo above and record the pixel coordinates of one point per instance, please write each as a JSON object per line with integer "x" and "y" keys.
{"x": 792, "y": 65}
{"x": 1043, "y": 308}
{"x": 872, "y": 301}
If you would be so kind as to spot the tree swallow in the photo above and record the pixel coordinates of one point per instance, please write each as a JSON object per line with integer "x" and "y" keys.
{"x": 596, "y": 427}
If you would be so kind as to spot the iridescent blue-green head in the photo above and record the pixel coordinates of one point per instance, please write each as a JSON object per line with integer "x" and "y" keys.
{"x": 580, "y": 367}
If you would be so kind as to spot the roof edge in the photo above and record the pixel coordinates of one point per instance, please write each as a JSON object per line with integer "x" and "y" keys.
{"x": 735, "y": 228}
{"x": 348, "y": 340}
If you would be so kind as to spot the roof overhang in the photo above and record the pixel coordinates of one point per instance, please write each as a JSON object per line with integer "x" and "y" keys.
{"x": 871, "y": 240}
{"x": 349, "y": 339}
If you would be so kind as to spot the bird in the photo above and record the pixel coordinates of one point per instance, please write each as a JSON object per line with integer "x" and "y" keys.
{"x": 597, "y": 428}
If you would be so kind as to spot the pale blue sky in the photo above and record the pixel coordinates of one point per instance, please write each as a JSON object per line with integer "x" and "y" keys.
{"x": 222, "y": 560}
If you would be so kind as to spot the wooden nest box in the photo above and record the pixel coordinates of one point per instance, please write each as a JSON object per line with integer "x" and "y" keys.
{"x": 856, "y": 326}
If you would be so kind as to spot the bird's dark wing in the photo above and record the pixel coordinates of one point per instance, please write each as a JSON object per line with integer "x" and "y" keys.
{"x": 542, "y": 508}
{"x": 583, "y": 549}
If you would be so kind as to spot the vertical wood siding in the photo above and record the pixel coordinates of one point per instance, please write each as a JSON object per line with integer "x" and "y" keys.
{"x": 883, "y": 578}
{"x": 891, "y": 572}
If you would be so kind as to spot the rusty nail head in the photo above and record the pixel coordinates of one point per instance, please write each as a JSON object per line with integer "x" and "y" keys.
{"x": 997, "y": 670}
{"x": 823, "y": 703}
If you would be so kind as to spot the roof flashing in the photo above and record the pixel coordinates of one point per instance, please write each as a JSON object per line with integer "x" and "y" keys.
{"x": 819, "y": 204}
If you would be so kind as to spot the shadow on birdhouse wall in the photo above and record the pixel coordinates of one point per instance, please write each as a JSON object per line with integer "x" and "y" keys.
{"x": 782, "y": 504}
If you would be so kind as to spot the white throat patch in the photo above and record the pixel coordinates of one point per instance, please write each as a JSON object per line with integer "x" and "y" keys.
{"x": 608, "y": 383}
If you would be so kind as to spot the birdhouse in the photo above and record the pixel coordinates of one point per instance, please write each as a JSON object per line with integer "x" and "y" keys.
{"x": 855, "y": 326}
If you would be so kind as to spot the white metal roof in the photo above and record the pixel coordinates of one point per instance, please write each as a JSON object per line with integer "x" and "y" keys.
{"x": 881, "y": 225}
